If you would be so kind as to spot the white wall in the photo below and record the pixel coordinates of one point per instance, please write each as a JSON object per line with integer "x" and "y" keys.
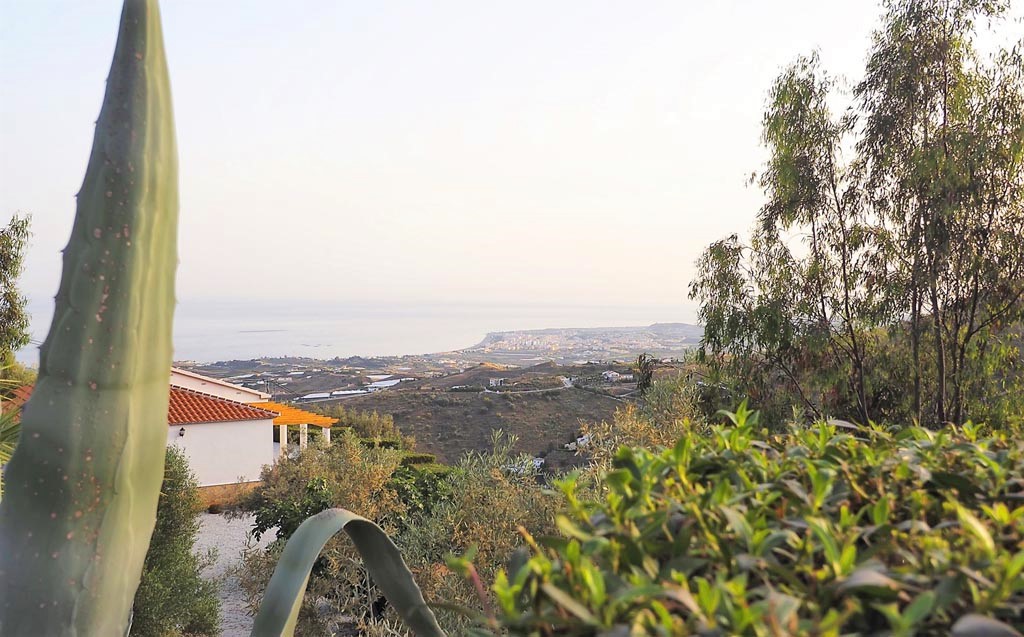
{"x": 225, "y": 452}
{"x": 216, "y": 388}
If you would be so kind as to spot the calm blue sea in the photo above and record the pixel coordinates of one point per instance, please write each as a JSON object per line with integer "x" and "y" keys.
{"x": 208, "y": 331}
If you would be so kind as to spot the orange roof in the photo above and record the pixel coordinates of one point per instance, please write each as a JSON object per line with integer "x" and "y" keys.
{"x": 20, "y": 396}
{"x": 188, "y": 407}
{"x": 295, "y": 416}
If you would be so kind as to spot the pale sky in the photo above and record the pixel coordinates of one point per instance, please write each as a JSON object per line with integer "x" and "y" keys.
{"x": 525, "y": 152}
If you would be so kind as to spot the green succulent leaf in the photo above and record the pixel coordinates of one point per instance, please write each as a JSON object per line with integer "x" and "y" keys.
{"x": 281, "y": 603}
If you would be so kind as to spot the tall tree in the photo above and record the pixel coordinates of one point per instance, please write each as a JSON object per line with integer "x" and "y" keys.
{"x": 915, "y": 237}
{"x": 644, "y": 370}
{"x": 942, "y": 160}
{"x": 13, "y": 317}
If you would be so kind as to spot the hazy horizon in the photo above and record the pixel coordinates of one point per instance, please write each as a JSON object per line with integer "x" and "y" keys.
{"x": 579, "y": 154}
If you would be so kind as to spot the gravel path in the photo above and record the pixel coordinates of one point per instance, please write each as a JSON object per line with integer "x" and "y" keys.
{"x": 228, "y": 537}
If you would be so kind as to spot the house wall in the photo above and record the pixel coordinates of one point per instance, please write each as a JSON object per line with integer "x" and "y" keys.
{"x": 223, "y": 452}
{"x": 219, "y": 389}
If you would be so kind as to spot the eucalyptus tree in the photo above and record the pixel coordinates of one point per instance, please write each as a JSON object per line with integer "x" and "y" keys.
{"x": 13, "y": 318}
{"x": 797, "y": 289}
{"x": 943, "y": 165}
{"x": 903, "y": 214}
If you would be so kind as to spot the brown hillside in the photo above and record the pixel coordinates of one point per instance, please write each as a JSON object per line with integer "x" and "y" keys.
{"x": 449, "y": 424}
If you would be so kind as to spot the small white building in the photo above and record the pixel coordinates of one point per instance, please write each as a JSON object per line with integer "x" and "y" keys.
{"x": 497, "y": 382}
{"x": 227, "y": 431}
{"x": 610, "y": 376}
{"x": 226, "y": 442}
{"x": 215, "y": 387}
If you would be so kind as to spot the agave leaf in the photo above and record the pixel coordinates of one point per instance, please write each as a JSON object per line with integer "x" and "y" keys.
{"x": 974, "y": 625}
{"x": 82, "y": 486}
{"x": 283, "y": 598}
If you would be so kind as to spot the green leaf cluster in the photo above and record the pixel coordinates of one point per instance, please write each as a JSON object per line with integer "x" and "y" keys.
{"x": 173, "y": 597}
{"x": 828, "y": 530}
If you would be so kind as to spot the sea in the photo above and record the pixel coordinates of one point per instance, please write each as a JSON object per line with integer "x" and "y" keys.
{"x": 207, "y": 331}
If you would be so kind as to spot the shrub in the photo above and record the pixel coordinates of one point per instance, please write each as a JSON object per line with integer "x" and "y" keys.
{"x": 670, "y": 401}
{"x": 347, "y": 474}
{"x": 416, "y": 457}
{"x": 827, "y": 530}
{"x": 173, "y": 598}
{"x": 488, "y": 496}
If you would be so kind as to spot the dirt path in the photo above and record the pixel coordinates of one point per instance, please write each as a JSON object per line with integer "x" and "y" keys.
{"x": 228, "y": 537}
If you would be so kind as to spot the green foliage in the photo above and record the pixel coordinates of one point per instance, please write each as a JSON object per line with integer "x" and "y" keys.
{"x": 345, "y": 474}
{"x": 83, "y": 484}
{"x": 429, "y": 510}
{"x": 370, "y": 425}
{"x": 173, "y": 598}
{"x": 668, "y": 401}
{"x": 10, "y": 429}
{"x": 644, "y": 370}
{"x": 827, "y": 530}
{"x": 279, "y": 612}
{"x": 910, "y": 242}
{"x": 14, "y": 375}
{"x": 417, "y": 457}
{"x": 667, "y": 413}
{"x": 486, "y": 499}
{"x": 13, "y": 319}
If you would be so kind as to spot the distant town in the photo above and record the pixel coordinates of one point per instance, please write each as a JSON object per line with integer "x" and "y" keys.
{"x": 310, "y": 380}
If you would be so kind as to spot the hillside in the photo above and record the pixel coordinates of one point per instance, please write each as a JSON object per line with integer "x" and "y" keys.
{"x": 450, "y": 423}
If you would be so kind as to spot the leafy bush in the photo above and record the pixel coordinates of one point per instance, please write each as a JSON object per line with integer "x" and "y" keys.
{"x": 371, "y": 425}
{"x": 429, "y": 510}
{"x": 173, "y": 598}
{"x": 346, "y": 474}
{"x": 487, "y": 498}
{"x": 10, "y": 430}
{"x": 663, "y": 417}
{"x": 828, "y": 530}
{"x": 416, "y": 457}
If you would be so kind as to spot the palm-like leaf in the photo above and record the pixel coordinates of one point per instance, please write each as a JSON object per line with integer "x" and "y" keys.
{"x": 10, "y": 427}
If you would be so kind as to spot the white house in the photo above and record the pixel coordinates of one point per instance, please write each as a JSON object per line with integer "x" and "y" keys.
{"x": 215, "y": 387}
{"x": 284, "y": 415}
{"x": 225, "y": 441}
{"x": 226, "y": 431}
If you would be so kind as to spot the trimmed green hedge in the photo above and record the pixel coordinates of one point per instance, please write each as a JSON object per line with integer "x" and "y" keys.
{"x": 381, "y": 443}
{"x": 831, "y": 530}
{"x": 418, "y": 458}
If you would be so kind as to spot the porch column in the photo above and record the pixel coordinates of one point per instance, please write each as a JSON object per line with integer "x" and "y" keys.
{"x": 303, "y": 436}
{"x": 283, "y": 429}
{"x": 327, "y": 434}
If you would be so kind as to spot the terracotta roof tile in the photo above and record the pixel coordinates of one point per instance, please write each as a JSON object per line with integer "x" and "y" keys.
{"x": 188, "y": 407}
{"x": 20, "y": 395}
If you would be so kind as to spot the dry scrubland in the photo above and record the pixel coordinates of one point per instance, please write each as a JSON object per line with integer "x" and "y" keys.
{"x": 448, "y": 423}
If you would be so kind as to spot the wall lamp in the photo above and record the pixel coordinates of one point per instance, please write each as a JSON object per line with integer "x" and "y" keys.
{"x": 181, "y": 432}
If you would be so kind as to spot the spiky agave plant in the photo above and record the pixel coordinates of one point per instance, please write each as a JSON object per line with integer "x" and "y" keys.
{"x": 84, "y": 480}
{"x": 83, "y": 483}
